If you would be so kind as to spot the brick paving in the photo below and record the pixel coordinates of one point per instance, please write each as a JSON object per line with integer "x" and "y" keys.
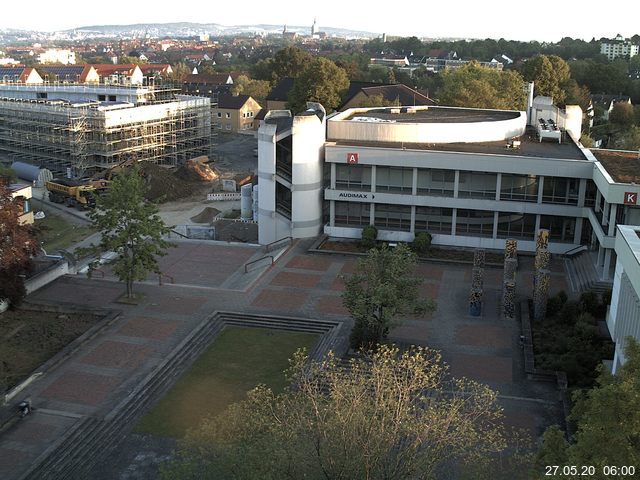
{"x": 98, "y": 376}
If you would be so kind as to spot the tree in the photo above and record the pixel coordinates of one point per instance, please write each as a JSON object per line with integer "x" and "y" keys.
{"x": 622, "y": 114}
{"x": 549, "y": 73}
{"x": 258, "y": 89}
{"x": 607, "y": 419}
{"x": 17, "y": 246}
{"x": 630, "y": 140}
{"x": 476, "y": 86}
{"x": 383, "y": 288}
{"x": 130, "y": 227}
{"x": 389, "y": 415}
{"x": 290, "y": 62}
{"x": 321, "y": 81}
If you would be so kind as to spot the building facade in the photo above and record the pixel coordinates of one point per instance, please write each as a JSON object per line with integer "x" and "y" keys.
{"x": 619, "y": 47}
{"x": 471, "y": 178}
{"x": 623, "y": 318}
{"x": 235, "y": 114}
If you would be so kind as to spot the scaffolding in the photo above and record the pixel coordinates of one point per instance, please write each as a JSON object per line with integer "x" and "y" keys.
{"x": 88, "y": 136}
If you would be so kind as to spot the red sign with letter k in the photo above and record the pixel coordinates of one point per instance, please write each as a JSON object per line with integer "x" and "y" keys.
{"x": 630, "y": 198}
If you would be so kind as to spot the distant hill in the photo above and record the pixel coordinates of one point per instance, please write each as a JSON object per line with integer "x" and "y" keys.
{"x": 189, "y": 29}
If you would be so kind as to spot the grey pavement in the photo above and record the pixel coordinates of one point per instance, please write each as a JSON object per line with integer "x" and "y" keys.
{"x": 207, "y": 278}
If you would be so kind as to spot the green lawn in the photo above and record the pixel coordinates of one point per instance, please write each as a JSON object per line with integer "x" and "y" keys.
{"x": 54, "y": 233}
{"x": 238, "y": 360}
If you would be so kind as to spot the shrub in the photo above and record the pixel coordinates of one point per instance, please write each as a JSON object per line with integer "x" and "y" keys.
{"x": 589, "y": 302}
{"x": 369, "y": 236}
{"x": 605, "y": 299}
{"x": 421, "y": 243}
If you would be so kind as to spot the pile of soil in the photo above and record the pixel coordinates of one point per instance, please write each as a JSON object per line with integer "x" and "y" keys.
{"x": 205, "y": 216}
{"x": 230, "y": 231}
{"x": 163, "y": 184}
{"x": 197, "y": 170}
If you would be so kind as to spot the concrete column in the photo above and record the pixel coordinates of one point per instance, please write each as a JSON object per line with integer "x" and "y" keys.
{"x": 333, "y": 178}
{"x": 414, "y": 183}
{"x": 600, "y": 256}
{"x": 607, "y": 264}
{"x": 598, "y": 198}
{"x": 413, "y": 218}
{"x": 454, "y": 219}
{"x": 372, "y": 214}
{"x": 495, "y": 224}
{"x": 456, "y": 184}
{"x": 612, "y": 219}
{"x": 540, "y": 190}
{"x": 332, "y": 213}
{"x": 373, "y": 179}
{"x": 498, "y": 187}
{"x": 605, "y": 213}
{"x": 582, "y": 192}
{"x": 537, "y": 223}
{"x": 577, "y": 233}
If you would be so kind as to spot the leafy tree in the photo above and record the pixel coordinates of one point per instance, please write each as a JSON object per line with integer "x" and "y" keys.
{"x": 258, "y": 89}
{"x": 130, "y": 227}
{"x": 607, "y": 419}
{"x": 389, "y": 415}
{"x": 375, "y": 101}
{"x": 477, "y": 86}
{"x": 422, "y": 242}
{"x": 549, "y": 73}
{"x": 17, "y": 246}
{"x": 622, "y": 114}
{"x": 290, "y": 62}
{"x": 321, "y": 81}
{"x": 369, "y": 236}
{"x": 576, "y": 94}
{"x": 383, "y": 288}
{"x": 630, "y": 140}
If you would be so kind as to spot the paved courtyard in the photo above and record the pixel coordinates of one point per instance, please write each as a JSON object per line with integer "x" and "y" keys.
{"x": 206, "y": 278}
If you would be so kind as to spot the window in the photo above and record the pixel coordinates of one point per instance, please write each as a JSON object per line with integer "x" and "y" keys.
{"x": 393, "y": 217}
{"x": 353, "y": 177}
{"x": 560, "y": 190}
{"x": 475, "y": 223}
{"x": 477, "y": 185}
{"x": 228, "y": 127}
{"x": 516, "y": 225}
{"x": 351, "y": 214}
{"x": 561, "y": 229}
{"x": 227, "y": 115}
{"x": 112, "y": 98}
{"x": 436, "y": 182}
{"x": 219, "y": 115}
{"x": 433, "y": 220}
{"x": 519, "y": 187}
{"x": 251, "y": 114}
{"x": 42, "y": 94}
{"x": 102, "y": 98}
{"x": 394, "y": 179}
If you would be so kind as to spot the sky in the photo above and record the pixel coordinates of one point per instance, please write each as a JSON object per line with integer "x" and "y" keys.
{"x": 542, "y": 20}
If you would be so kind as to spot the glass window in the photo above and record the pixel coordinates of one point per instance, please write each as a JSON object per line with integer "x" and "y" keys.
{"x": 475, "y": 223}
{"x": 477, "y": 185}
{"x": 516, "y": 225}
{"x": 519, "y": 187}
{"x": 353, "y": 177}
{"x": 560, "y": 190}
{"x": 433, "y": 220}
{"x": 393, "y": 217}
{"x": 436, "y": 182}
{"x": 394, "y": 179}
{"x": 351, "y": 214}
{"x": 561, "y": 229}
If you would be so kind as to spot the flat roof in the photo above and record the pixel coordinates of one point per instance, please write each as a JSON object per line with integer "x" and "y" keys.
{"x": 434, "y": 115}
{"x": 530, "y": 147}
{"x": 622, "y": 165}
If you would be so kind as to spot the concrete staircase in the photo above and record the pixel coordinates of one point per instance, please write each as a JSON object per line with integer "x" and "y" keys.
{"x": 91, "y": 439}
{"x": 584, "y": 276}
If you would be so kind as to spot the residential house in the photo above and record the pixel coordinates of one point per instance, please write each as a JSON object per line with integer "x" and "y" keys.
{"x": 235, "y": 113}
{"x": 122, "y": 74}
{"x": 279, "y": 95}
{"x": 19, "y": 74}
{"x": 156, "y": 69}
{"x": 619, "y": 47}
{"x": 203, "y": 85}
{"x": 54, "y": 55}
{"x": 71, "y": 73}
{"x": 607, "y": 102}
{"x": 22, "y": 193}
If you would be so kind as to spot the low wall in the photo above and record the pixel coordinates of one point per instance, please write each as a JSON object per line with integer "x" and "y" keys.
{"x": 49, "y": 275}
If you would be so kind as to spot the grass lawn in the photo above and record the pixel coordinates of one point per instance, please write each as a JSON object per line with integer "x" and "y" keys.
{"x": 54, "y": 233}
{"x": 238, "y": 360}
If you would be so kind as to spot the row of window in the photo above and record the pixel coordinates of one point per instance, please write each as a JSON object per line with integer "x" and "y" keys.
{"x": 470, "y": 184}
{"x": 228, "y": 115}
{"x": 476, "y": 223}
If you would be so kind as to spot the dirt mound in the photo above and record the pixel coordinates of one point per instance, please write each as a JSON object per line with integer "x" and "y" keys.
{"x": 197, "y": 170}
{"x": 205, "y": 216}
{"x": 163, "y": 185}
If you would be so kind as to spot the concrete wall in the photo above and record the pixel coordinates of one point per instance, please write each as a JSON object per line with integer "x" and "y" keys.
{"x": 46, "y": 277}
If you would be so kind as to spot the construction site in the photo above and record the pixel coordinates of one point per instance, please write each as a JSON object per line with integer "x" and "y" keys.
{"x": 80, "y": 129}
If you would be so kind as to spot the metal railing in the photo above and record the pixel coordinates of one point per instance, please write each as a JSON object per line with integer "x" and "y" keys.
{"x": 574, "y": 250}
{"x": 268, "y": 246}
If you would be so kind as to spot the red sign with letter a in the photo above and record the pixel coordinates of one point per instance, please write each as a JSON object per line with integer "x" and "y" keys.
{"x": 352, "y": 158}
{"x": 630, "y": 198}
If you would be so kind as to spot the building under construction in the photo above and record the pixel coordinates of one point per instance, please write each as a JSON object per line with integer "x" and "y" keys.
{"x": 87, "y": 128}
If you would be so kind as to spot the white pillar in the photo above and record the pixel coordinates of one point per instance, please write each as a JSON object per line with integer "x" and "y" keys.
{"x": 607, "y": 264}
{"x": 456, "y": 183}
{"x": 598, "y": 198}
{"x": 498, "y": 187}
{"x": 496, "y": 215}
{"x": 540, "y": 190}
{"x": 454, "y": 219}
{"x": 577, "y": 234}
{"x": 612, "y": 219}
{"x": 414, "y": 183}
{"x": 413, "y": 219}
{"x": 333, "y": 178}
{"x": 373, "y": 179}
{"x": 582, "y": 192}
{"x": 332, "y": 213}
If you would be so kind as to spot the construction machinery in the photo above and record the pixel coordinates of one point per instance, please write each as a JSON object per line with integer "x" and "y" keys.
{"x": 73, "y": 193}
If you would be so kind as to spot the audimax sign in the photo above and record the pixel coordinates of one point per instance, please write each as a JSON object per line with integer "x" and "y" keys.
{"x": 360, "y": 196}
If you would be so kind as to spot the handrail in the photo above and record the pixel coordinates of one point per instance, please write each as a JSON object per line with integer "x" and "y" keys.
{"x": 573, "y": 250}
{"x": 267, "y": 247}
{"x": 161, "y": 274}
{"x": 178, "y": 233}
{"x": 257, "y": 260}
